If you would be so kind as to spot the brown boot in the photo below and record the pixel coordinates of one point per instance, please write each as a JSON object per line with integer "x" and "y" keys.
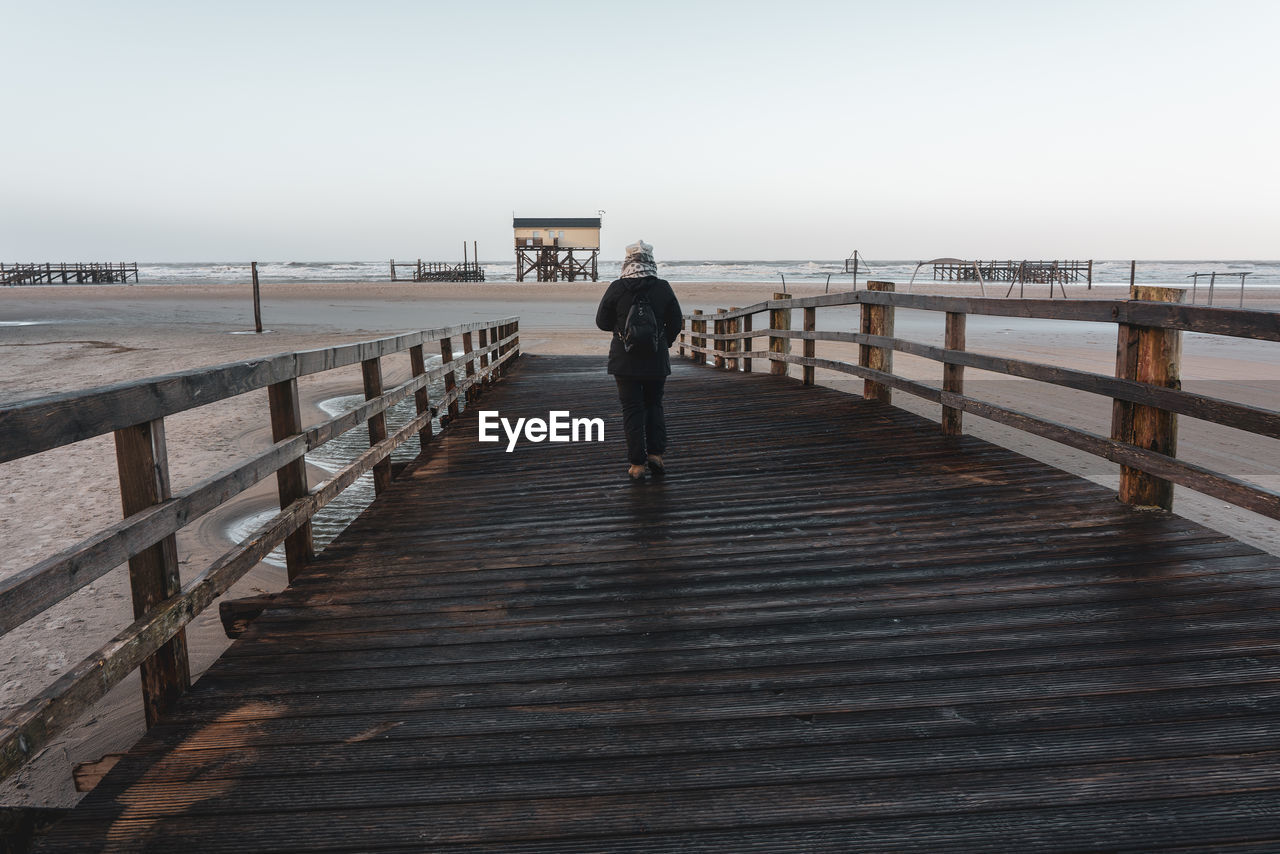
{"x": 635, "y": 472}
{"x": 656, "y": 466}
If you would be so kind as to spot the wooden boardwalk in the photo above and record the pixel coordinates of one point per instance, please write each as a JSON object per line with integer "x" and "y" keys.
{"x": 829, "y": 629}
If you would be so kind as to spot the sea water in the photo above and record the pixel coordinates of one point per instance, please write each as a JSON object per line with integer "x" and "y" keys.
{"x": 1168, "y": 273}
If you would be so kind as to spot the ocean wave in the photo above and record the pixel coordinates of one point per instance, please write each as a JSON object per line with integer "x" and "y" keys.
{"x": 1174, "y": 273}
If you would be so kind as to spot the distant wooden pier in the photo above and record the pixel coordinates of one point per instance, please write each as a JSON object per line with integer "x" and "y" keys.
{"x": 438, "y": 272}
{"x": 435, "y": 271}
{"x": 1031, "y": 272}
{"x": 432, "y": 271}
{"x": 68, "y": 274}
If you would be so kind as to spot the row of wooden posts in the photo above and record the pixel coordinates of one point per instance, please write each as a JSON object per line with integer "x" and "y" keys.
{"x": 1143, "y": 435}
{"x": 876, "y": 320}
{"x": 135, "y": 413}
{"x": 79, "y": 273}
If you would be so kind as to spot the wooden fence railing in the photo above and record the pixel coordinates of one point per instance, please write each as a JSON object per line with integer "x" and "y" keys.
{"x": 1146, "y": 390}
{"x": 135, "y": 412}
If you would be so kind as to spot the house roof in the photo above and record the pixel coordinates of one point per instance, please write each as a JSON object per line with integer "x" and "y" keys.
{"x": 556, "y": 222}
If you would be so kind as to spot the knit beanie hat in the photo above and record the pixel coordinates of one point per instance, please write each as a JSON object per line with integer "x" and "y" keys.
{"x": 639, "y": 261}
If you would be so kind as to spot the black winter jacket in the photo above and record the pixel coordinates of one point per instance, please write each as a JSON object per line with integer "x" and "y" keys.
{"x": 611, "y": 316}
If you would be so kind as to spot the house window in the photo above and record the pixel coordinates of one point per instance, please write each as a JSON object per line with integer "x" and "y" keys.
{"x": 562, "y": 235}
{"x": 537, "y": 235}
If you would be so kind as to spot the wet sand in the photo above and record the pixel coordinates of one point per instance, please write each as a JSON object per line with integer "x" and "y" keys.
{"x": 82, "y": 337}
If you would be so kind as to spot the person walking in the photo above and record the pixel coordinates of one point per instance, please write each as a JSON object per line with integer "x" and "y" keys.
{"x": 644, "y": 316}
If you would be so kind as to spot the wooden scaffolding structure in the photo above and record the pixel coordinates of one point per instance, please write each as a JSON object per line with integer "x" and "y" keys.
{"x": 118, "y": 272}
{"x": 557, "y": 248}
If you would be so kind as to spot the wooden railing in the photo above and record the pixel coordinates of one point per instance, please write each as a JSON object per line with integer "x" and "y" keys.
{"x": 135, "y": 413}
{"x": 1146, "y": 390}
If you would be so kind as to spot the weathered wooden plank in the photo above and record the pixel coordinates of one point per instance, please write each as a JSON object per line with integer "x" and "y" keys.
{"x": 39, "y": 424}
{"x": 408, "y": 817}
{"x": 1241, "y": 323}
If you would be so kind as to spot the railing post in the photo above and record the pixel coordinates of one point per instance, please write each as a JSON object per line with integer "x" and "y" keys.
{"x": 877, "y": 320}
{"x": 746, "y": 343}
{"x": 506, "y": 348}
{"x": 372, "y": 371}
{"x": 143, "y": 464}
{"x": 451, "y": 376}
{"x": 779, "y": 318}
{"x": 291, "y": 478}
{"x": 471, "y": 364}
{"x": 810, "y": 346}
{"x": 699, "y": 326}
{"x": 1152, "y": 355}
{"x": 484, "y": 357}
{"x": 734, "y": 347}
{"x": 718, "y": 324}
{"x": 953, "y": 375}
{"x": 421, "y": 397}
{"x": 680, "y": 338}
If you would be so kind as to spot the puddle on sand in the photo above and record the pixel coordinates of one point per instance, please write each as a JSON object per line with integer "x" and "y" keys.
{"x": 332, "y": 457}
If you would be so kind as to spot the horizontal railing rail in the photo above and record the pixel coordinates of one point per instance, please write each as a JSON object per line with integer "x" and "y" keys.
{"x": 135, "y": 413}
{"x": 1146, "y": 392}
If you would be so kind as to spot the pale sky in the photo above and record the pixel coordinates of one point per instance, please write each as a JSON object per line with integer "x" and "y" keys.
{"x": 168, "y": 131}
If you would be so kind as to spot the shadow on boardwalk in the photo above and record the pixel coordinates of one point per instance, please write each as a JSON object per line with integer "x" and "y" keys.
{"x": 829, "y": 629}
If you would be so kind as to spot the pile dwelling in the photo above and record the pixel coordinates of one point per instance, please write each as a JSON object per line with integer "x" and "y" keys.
{"x": 68, "y": 274}
{"x": 547, "y": 247}
{"x": 436, "y": 271}
{"x": 1031, "y": 272}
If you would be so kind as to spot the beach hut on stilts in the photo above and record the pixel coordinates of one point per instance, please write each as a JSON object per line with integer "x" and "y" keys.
{"x": 557, "y": 248}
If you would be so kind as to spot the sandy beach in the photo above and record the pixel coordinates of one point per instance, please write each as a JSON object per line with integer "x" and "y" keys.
{"x": 58, "y": 338}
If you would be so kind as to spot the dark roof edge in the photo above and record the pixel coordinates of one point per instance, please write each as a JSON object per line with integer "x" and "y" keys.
{"x": 555, "y": 222}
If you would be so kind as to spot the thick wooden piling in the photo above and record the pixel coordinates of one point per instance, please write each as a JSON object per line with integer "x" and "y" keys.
{"x": 699, "y": 326}
{"x": 735, "y": 344}
{"x": 1150, "y": 355}
{"x": 953, "y": 375}
{"x": 422, "y": 397}
{"x": 451, "y": 377}
{"x": 470, "y": 364}
{"x": 746, "y": 343}
{"x": 877, "y": 320}
{"x": 291, "y": 478}
{"x": 719, "y": 344}
{"x": 257, "y": 299}
{"x": 143, "y": 464}
{"x": 810, "y": 350}
{"x": 371, "y": 369}
{"x": 779, "y": 318}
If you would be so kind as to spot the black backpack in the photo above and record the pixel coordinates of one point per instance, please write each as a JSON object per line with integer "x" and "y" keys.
{"x": 642, "y": 330}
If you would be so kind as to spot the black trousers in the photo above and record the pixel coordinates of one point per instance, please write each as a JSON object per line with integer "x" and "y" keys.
{"x": 642, "y": 418}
